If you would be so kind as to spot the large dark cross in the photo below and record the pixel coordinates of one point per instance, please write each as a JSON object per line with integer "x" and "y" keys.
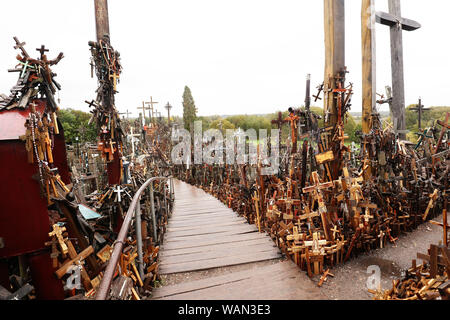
{"x": 397, "y": 24}
{"x": 280, "y": 121}
{"x": 420, "y": 109}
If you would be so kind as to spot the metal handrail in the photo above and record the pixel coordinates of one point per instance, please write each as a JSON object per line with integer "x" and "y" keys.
{"x": 134, "y": 209}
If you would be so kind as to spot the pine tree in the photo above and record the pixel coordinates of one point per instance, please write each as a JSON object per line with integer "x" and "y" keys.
{"x": 189, "y": 109}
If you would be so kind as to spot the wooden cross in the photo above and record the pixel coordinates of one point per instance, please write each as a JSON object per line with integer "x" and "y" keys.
{"x": 127, "y": 113}
{"x": 150, "y": 108}
{"x": 20, "y": 45}
{"x": 115, "y": 77}
{"x": 334, "y": 54}
{"x": 229, "y": 198}
{"x": 58, "y": 233}
{"x": 279, "y": 121}
{"x": 289, "y": 202}
{"x": 419, "y": 109}
{"x": 396, "y": 24}
{"x": 445, "y": 128}
{"x": 444, "y": 223}
{"x": 293, "y": 119}
{"x": 42, "y": 50}
{"x": 316, "y": 189}
{"x": 433, "y": 198}
{"x": 256, "y": 199}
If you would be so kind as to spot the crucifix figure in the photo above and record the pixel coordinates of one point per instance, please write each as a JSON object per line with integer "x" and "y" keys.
{"x": 420, "y": 109}
{"x": 397, "y": 24}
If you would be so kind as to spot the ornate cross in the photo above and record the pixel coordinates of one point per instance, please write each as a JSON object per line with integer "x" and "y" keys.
{"x": 316, "y": 189}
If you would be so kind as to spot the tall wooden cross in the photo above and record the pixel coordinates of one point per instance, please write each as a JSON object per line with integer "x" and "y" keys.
{"x": 334, "y": 18}
{"x": 368, "y": 63}
{"x": 150, "y": 108}
{"x": 397, "y": 24}
{"x": 420, "y": 109}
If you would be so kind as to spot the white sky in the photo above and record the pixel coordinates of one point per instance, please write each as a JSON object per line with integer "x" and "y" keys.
{"x": 237, "y": 56}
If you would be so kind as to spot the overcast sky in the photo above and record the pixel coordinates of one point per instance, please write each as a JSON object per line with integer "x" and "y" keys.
{"x": 237, "y": 56}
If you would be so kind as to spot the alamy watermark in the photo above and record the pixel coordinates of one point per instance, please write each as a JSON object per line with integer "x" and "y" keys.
{"x": 210, "y": 147}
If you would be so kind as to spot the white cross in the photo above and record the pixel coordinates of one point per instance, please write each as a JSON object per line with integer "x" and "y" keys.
{"x": 118, "y": 190}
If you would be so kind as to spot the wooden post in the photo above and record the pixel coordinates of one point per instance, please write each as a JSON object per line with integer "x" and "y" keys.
{"x": 101, "y": 18}
{"x": 368, "y": 63}
{"x": 334, "y": 17}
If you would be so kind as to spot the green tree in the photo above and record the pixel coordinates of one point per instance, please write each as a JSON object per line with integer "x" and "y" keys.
{"x": 222, "y": 125}
{"x": 75, "y": 124}
{"x": 189, "y": 109}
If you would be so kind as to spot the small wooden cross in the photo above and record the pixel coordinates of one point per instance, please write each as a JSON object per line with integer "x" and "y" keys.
{"x": 42, "y": 50}
{"x": 316, "y": 189}
{"x": 335, "y": 230}
{"x": 58, "y": 233}
{"x": 20, "y": 45}
{"x": 433, "y": 198}
{"x": 420, "y": 109}
{"x": 229, "y": 198}
{"x": 255, "y": 198}
{"x": 115, "y": 77}
{"x": 293, "y": 119}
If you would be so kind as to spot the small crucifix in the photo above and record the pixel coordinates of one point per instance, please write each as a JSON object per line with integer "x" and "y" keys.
{"x": 420, "y": 109}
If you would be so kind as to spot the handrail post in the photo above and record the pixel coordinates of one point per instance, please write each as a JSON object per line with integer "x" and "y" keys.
{"x": 152, "y": 207}
{"x": 139, "y": 238}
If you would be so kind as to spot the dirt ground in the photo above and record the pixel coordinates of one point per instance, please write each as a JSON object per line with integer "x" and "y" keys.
{"x": 349, "y": 281}
{"x": 350, "y": 278}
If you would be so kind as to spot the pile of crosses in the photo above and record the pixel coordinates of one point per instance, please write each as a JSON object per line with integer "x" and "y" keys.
{"x": 329, "y": 202}
{"x": 83, "y": 228}
{"x": 427, "y": 281}
{"x": 35, "y": 88}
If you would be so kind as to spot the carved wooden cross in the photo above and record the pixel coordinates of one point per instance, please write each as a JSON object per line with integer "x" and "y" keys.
{"x": 279, "y": 121}
{"x": 316, "y": 189}
{"x": 289, "y": 202}
{"x": 20, "y": 45}
{"x": 419, "y": 109}
{"x": 396, "y": 24}
{"x": 293, "y": 119}
{"x": 58, "y": 233}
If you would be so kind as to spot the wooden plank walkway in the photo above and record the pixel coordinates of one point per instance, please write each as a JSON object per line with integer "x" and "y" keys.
{"x": 204, "y": 234}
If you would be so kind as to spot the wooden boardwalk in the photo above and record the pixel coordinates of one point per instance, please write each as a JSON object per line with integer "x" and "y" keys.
{"x": 204, "y": 234}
